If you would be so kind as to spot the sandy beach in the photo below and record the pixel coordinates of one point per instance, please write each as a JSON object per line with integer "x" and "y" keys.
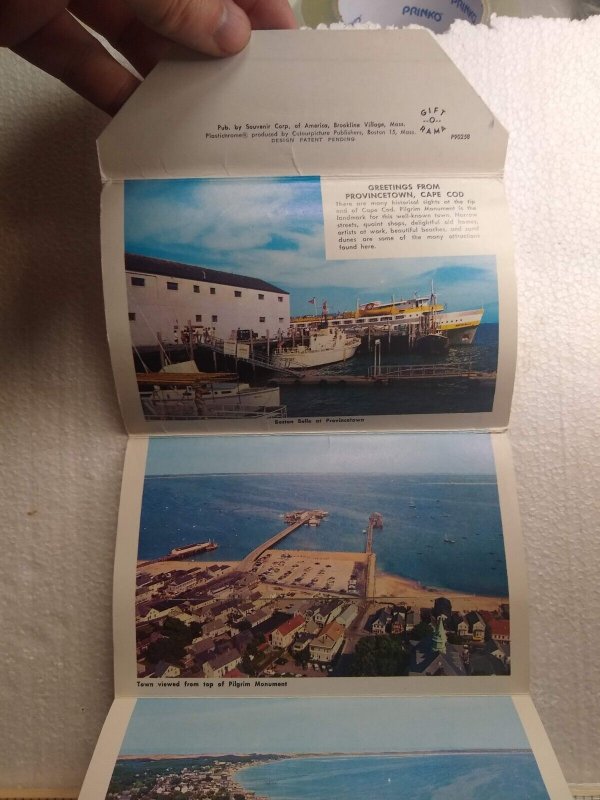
{"x": 395, "y": 587}
{"x": 337, "y": 567}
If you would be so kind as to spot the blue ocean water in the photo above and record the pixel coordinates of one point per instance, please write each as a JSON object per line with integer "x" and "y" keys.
{"x": 452, "y": 395}
{"x": 419, "y": 512}
{"x": 462, "y": 776}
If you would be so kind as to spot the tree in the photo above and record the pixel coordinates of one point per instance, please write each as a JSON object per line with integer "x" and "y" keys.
{"x": 248, "y": 665}
{"x": 380, "y": 656}
{"x": 302, "y": 658}
{"x": 421, "y": 630}
{"x": 167, "y": 650}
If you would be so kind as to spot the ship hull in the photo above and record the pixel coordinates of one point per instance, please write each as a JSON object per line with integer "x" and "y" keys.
{"x": 256, "y": 397}
{"x": 305, "y": 359}
{"x": 460, "y": 326}
{"x": 461, "y": 336}
{"x": 322, "y": 346}
{"x": 432, "y": 344}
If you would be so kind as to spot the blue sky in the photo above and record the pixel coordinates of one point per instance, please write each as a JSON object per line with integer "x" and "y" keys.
{"x": 322, "y": 725}
{"x": 272, "y": 228}
{"x": 404, "y": 453}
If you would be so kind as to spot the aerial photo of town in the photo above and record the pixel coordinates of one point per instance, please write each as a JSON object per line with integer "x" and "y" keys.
{"x": 417, "y": 748}
{"x": 341, "y": 572}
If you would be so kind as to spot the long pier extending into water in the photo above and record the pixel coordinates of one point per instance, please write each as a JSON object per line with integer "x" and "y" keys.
{"x": 302, "y": 519}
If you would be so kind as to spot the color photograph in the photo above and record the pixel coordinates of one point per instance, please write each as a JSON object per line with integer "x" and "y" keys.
{"x": 414, "y": 748}
{"x": 357, "y": 555}
{"x": 235, "y": 312}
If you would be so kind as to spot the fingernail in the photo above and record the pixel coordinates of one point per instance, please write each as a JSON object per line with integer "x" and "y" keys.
{"x": 234, "y": 29}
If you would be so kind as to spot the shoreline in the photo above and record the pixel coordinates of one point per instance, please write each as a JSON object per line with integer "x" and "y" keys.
{"x": 387, "y": 585}
{"x": 224, "y": 773}
{"x": 311, "y": 754}
{"x": 392, "y": 586}
{"x": 233, "y": 770}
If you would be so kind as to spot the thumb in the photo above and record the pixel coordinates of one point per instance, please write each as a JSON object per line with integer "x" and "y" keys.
{"x": 214, "y": 27}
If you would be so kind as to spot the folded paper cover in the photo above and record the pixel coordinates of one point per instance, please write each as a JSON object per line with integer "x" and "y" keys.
{"x": 194, "y": 117}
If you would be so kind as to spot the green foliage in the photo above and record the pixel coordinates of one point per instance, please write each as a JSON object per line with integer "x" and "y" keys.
{"x": 420, "y": 631}
{"x": 167, "y": 650}
{"x": 177, "y": 635}
{"x": 302, "y": 658}
{"x": 380, "y": 655}
{"x": 174, "y": 628}
{"x": 248, "y": 666}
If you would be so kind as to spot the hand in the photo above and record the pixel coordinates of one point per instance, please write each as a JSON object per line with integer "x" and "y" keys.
{"x": 49, "y": 34}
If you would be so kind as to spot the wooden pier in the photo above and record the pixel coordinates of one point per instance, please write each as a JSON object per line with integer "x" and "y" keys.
{"x": 249, "y": 560}
{"x": 388, "y": 375}
{"x": 184, "y": 378}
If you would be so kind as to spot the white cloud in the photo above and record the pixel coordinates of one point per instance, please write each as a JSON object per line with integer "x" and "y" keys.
{"x": 273, "y": 229}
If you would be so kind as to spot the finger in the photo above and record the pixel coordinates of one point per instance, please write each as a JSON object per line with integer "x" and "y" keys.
{"x": 18, "y": 24}
{"x": 268, "y": 14}
{"x": 214, "y": 27}
{"x": 142, "y": 47}
{"x": 64, "y": 49}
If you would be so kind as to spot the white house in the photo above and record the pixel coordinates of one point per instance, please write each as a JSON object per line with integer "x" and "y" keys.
{"x": 325, "y": 646}
{"x": 284, "y": 635}
{"x": 218, "y": 666}
{"x": 347, "y": 616}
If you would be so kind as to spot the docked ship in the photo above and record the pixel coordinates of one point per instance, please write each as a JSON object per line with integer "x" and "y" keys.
{"x": 459, "y": 327}
{"x": 318, "y": 347}
{"x": 193, "y": 549}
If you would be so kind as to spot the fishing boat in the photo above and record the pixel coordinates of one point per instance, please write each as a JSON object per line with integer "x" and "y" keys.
{"x": 432, "y": 344}
{"x": 318, "y": 347}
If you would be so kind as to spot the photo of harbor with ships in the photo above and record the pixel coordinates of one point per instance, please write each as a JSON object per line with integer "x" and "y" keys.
{"x": 415, "y": 748}
{"x": 380, "y": 556}
{"x": 235, "y": 313}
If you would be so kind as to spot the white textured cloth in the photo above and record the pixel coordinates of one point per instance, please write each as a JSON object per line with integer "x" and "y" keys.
{"x": 63, "y": 438}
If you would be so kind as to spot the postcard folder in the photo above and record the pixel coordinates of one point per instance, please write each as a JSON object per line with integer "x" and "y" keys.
{"x": 329, "y": 200}
{"x": 311, "y": 238}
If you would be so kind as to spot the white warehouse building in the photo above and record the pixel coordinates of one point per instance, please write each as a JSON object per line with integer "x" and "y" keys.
{"x": 166, "y": 297}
